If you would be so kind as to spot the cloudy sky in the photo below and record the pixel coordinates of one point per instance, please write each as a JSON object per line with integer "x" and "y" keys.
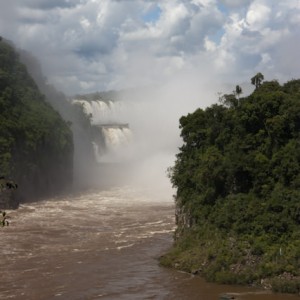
{"x": 89, "y": 45}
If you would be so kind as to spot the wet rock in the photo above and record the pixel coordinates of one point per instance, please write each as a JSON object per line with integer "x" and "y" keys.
{"x": 8, "y": 200}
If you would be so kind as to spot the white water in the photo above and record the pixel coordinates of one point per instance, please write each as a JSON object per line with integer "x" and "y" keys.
{"x": 103, "y": 112}
{"x": 99, "y": 245}
{"x": 109, "y": 116}
{"x": 116, "y": 137}
{"x": 81, "y": 246}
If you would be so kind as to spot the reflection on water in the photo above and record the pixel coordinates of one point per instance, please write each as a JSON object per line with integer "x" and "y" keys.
{"x": 98, "y": 245}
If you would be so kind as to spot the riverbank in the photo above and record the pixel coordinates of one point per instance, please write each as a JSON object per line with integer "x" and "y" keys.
{"x": 228, "y": 260}
{"x": 100, "y": 244}
{"x": 237, "y": 177}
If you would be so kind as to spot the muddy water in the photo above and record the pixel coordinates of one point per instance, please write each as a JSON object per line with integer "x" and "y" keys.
{"x": 99, "y": 245}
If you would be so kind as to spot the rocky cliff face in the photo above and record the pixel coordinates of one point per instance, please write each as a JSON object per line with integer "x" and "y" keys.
{"x": 183, "y": 219}
{"x": 8, "y": 200}
{"x": 36, "y": 144}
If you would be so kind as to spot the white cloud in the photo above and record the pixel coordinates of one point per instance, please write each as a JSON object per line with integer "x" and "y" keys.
{"x": 235, "y": 3}
{"x": 209, "y": 45}
{"x": 85, "y": 23}
{"x": 104, "y": 44}
{"x": 258, "y": 15}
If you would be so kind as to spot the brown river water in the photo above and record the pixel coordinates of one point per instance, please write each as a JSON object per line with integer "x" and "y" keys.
{"x": 100, "y": 244}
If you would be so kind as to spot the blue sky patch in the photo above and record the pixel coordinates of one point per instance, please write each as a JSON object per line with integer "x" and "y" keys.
{"x": 217, "y": 36}
{"x": 152, "y": 15}
{"x": 223, "y": 8}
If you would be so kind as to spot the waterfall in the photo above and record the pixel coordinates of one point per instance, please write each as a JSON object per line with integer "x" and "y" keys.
{"x": 116, "y": 137}
{"x": 106, "y": 117}
{"x": 102, "y": 111}
{"x": 97, "y": 151}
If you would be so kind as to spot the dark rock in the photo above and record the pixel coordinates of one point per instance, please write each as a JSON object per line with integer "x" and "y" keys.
{"x": 8, "y": 199}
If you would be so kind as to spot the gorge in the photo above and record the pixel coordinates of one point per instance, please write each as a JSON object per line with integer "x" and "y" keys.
{"x": 103, "y": 238}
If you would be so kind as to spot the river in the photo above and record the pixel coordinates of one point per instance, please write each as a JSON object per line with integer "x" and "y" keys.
{"x": 99, "y": 244}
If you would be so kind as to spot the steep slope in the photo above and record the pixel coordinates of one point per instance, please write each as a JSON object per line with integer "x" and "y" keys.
{"x": 36, "y": 146}
{"x": 80, "y": 122}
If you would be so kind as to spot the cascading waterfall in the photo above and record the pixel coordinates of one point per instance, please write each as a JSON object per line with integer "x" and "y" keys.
{"x": 96, "y": 151}
{"x": 116, "y": 137}
{"x": 102, "y": 111}
{"x": 106, "y": 117}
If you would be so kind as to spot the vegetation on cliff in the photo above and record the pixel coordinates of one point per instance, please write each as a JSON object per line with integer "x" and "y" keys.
{"x": 237, "y": 177}
{"x": 36, "y": 147}
{"x": 5, "y": 185}
{"x": 75, "y": 115}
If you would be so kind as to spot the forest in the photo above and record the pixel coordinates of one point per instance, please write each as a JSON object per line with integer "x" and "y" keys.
{"x": 237, "y": 180}
{"x": 36, "y": 144}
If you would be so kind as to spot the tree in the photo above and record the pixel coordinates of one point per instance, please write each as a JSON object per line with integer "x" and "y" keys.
{"x": 229, "y": 100}
{"x": 237, "y": 177}
{"x": 36, "y": 144}
{"x": 238, "y": 91}
{"x": 257, "y": 80}
{"x": 7, "y": 184}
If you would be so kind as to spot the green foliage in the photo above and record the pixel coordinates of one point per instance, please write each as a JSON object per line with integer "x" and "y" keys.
{"x": 3, "y": 219}
{"x": 36, "y": 145}
{"x": 286, "y": 286}
{"x": 5, "y": 185}
{"x": 238, "y": 174}
{"x": 238, "y": 90}
{"x": 257, "y": 80}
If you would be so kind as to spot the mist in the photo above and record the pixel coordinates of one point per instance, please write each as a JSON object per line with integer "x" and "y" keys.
{"x": 162, "y": 66}
{"x": 153, "y": 95}
{"x": 153, "y": 114}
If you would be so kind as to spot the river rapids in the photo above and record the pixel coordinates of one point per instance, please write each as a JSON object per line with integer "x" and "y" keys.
{"x": 99, "y": 244}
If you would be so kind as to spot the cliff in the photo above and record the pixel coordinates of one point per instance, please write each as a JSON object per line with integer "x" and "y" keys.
{"x": 80, "y": 122}
{"x": 36, "y": 144}
{"x": 237, "y": 177}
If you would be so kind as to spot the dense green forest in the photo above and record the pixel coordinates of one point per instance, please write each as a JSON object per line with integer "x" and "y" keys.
{"x": 36, "y": 144}
{"x": 80, "y": 122}
{"x": 237, "y": 177}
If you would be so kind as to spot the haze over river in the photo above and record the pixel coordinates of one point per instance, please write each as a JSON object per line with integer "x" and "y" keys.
{"x": 99, "y": 244}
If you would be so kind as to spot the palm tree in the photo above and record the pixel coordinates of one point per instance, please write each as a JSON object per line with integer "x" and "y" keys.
{"x": 238, "y": 91}
{"x": 257, "y": 80}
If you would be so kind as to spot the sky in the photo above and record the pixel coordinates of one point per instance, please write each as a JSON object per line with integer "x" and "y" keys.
{"x": 94, "y": 45}
{"x": 192, "y": 50}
